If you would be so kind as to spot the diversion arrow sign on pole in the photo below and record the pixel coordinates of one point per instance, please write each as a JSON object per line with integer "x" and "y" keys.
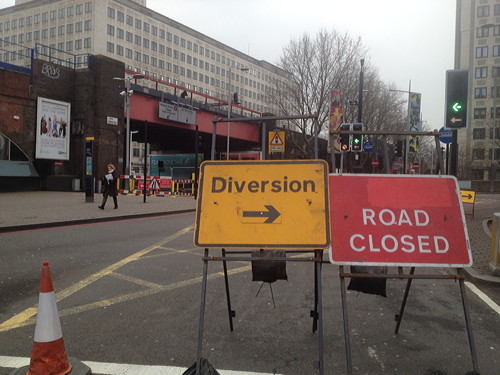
{"x": 272, "y": 214}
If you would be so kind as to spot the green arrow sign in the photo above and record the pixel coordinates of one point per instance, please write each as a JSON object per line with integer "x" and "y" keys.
{"x": 457, "y": 106}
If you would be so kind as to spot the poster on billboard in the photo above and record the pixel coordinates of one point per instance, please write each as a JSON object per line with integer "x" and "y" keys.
{"x": 52, "y": 129}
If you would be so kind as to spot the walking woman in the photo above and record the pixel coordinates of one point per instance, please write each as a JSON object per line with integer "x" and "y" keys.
{"x": 109, "y": 187}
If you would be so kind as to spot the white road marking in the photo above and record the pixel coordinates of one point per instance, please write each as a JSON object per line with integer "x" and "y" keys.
{"x": 484, "y": 297}
{"x": 121, "y": 368}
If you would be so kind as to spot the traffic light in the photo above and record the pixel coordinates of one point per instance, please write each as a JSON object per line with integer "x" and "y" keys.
{"x": 357, "y": 139}
{"x": 398, "y": 148}
{"x": 345, "y": 139}
{"x": 457, "y": 84}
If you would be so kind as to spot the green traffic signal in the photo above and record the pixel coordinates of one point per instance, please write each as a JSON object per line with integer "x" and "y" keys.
{"x": 457, "y": 106}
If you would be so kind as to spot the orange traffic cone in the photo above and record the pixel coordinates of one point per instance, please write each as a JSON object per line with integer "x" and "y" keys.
{"x": 48, "y": 356}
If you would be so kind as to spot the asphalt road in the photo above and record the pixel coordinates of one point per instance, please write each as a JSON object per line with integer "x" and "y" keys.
{"x": 129, "y": 292}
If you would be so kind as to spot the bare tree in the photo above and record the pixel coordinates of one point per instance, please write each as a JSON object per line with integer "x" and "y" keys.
{"x": 316, "y": 66}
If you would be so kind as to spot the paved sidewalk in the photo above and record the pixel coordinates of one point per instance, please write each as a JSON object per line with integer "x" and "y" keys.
{"x": 38, "y": 209}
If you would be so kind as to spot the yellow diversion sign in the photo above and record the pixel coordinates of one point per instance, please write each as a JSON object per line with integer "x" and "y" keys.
{"x": 263, "y": 204}
{"x": 468, "y": 196}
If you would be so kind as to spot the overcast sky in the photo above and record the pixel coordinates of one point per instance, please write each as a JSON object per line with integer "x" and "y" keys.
{"x": 406, "y": 39}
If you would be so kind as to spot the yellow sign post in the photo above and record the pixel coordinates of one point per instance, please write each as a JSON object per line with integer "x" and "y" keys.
{"x": 263, "y": 204}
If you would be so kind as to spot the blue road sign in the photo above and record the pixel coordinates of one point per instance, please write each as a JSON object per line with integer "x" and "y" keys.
{"x": 445, "y": 135}
{"x": 368, "y": 146}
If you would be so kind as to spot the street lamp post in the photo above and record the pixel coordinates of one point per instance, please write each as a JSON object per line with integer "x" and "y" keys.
{"x": 230, "y": 101}
{"x": 127, "y": 93}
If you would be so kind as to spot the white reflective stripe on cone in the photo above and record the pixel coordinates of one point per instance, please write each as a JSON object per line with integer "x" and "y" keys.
{"x": 48, "y": 326}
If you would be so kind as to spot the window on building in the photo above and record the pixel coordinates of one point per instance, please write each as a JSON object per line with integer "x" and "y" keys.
{"x": 481, "y": 52}
{"x": 87, "y": 42}
{"x": 120, "y": 33}
{"x": 53, "y": 15}
{"x": 145, "y": 42}
{"x": 137, "y": 56}
{"x": 120, "y": 16}
{"x": 36, "y": 20}
{"x": 479, "y": 133}
{"x": 130, "y": 37}
{"x": 78, "y": 27}
{"x": 45, "y": 17}
{"x": 145, "y": 58}
{"x": 497, "y": 133}
{"x": 478, "y": 153}
{"x": 176, "y": 39}
{"x": 88, "y": 25}
{"x": 479, "y": 113}
{"x": 496, "y": 10}
{"x": 36, "y": 35}
{"x": 119, "y": 50}
{"x": 69, "y": 11}
{"x": 483, "y": 11}
{"x": 169, "y": 36}
{"x": 79, "y": 9}
{"x": 52, "y": 32}
{"x": 162, "y": 49}
{"x": 69, "y": 28}
{"x": 78, "y": 44}
{"x": 154, "y": 46}
{"x": 138, "y": 40}
{"x": 130, "y": 20}
{"x": 154, "y": 30}
{"x": 88, "y": 7}
{"x": 111, "y": 30}
{"x": 162, "y": 33}
{"x": 493, "y": 110}
{"x": 154, "y": 61}
{"x": 146, "y": 27}
{"x": 69, "y": 46}
{"x": 138, "y": 24}
{"x": 481, "y": 72}
{"x": 128, "y": 53}
{"x": 480, "y": 93}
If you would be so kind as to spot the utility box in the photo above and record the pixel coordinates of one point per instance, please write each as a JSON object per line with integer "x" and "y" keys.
{"x": 495, "y": 245}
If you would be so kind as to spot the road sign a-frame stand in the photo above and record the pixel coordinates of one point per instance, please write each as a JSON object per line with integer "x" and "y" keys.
{"x": 399, "y": 317}
{"x": 393, "y": 224}
{"x": 245, "y": 206}
{"x": 237, "y": 256}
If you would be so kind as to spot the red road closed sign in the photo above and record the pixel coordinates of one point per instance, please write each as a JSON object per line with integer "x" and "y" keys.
{"x": 397, "y": 221}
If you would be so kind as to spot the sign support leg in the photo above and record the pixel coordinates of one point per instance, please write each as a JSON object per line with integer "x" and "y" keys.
{"x": 470, "y": 334}
{"x": 346, "y": 321}
{"x": 202, "y": 312}
{"x": 399, "y": 316}
{"x": 231, "y": 313}
{"x": 319, "y": 306}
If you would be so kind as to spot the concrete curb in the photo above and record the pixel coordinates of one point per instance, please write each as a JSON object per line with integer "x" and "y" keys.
{"x": 18, "y": 228}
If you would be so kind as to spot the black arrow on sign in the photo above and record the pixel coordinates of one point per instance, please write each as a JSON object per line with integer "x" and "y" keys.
{"x": 467, "y": 196}
{"x": 271, "y": 214}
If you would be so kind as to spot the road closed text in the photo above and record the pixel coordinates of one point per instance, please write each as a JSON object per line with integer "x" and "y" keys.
{"x": 396, "y": 240}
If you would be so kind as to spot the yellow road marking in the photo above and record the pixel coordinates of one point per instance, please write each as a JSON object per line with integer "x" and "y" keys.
{"x": 19, "y": 320}
{"x": 132, "y": 296}
{"x": 136, "y": 280}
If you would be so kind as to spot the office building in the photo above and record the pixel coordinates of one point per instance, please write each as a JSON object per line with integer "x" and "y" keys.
{"x": 477, "y": 49}
{"x": 148, "y": 42}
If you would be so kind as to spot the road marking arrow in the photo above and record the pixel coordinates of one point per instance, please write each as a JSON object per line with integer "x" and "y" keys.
{"x": 272, "y": 214}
